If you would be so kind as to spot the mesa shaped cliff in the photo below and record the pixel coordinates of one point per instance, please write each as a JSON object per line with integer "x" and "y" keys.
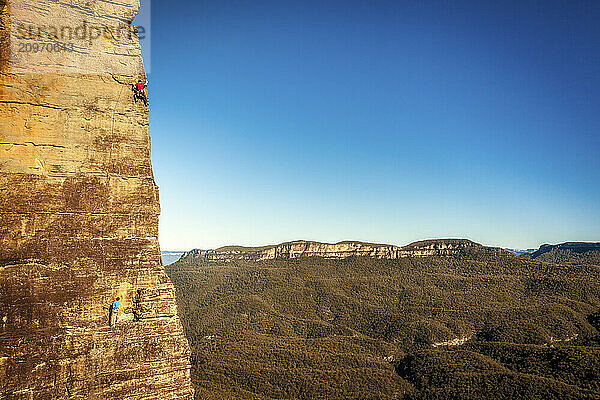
{"x": 302, "y": 248}
{"x": 79, "y": 215}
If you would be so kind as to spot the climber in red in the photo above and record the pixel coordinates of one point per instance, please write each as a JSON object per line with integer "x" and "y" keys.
{"x": 139, "y": 92}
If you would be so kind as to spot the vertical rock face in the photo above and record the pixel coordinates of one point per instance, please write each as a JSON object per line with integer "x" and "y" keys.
{"x": 79, "y": 216}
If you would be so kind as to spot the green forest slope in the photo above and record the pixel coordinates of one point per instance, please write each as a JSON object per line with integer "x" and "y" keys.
{"x": 475, "y": 327}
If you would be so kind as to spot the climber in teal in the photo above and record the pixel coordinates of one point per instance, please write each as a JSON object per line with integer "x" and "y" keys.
{"x": 114, "y": 312}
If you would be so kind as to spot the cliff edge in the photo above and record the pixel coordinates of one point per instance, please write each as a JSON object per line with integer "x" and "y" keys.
{"x": 303, "y": 248}
{"x": 79, "y": 212}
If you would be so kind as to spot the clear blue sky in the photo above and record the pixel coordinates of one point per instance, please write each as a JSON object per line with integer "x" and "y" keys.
{"x": 384, "y": 121}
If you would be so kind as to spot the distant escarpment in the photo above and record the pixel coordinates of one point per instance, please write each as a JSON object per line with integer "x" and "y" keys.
{"x": 301, "y": 248}
{"x": 568, "y": 253}
{"x": 79, "y": 212}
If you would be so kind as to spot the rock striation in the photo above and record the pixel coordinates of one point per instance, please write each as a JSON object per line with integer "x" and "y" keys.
{"x": 301, "y": 248}
{"x": 79, "y": 215}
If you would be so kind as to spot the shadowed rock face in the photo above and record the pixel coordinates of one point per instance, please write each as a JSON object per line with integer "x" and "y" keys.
{"x": 79, "y": 222}
{"x": 569, "y": 253}
{"x": 301, "y": 248}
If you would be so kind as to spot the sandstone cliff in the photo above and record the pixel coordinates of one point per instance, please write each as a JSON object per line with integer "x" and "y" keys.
{"x": 301, "y": 248}
{"x": 79, "y": 216}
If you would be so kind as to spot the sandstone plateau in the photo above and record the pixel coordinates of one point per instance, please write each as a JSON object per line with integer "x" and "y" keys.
{"x": 79, "y": 217}
{"x": 302, "y": 248}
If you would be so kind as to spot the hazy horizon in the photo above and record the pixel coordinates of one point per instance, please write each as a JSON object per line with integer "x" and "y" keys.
{"x": 386, "y": 122}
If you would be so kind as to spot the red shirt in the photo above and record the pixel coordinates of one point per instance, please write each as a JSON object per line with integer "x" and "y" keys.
{"x": 140, "y": 86}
